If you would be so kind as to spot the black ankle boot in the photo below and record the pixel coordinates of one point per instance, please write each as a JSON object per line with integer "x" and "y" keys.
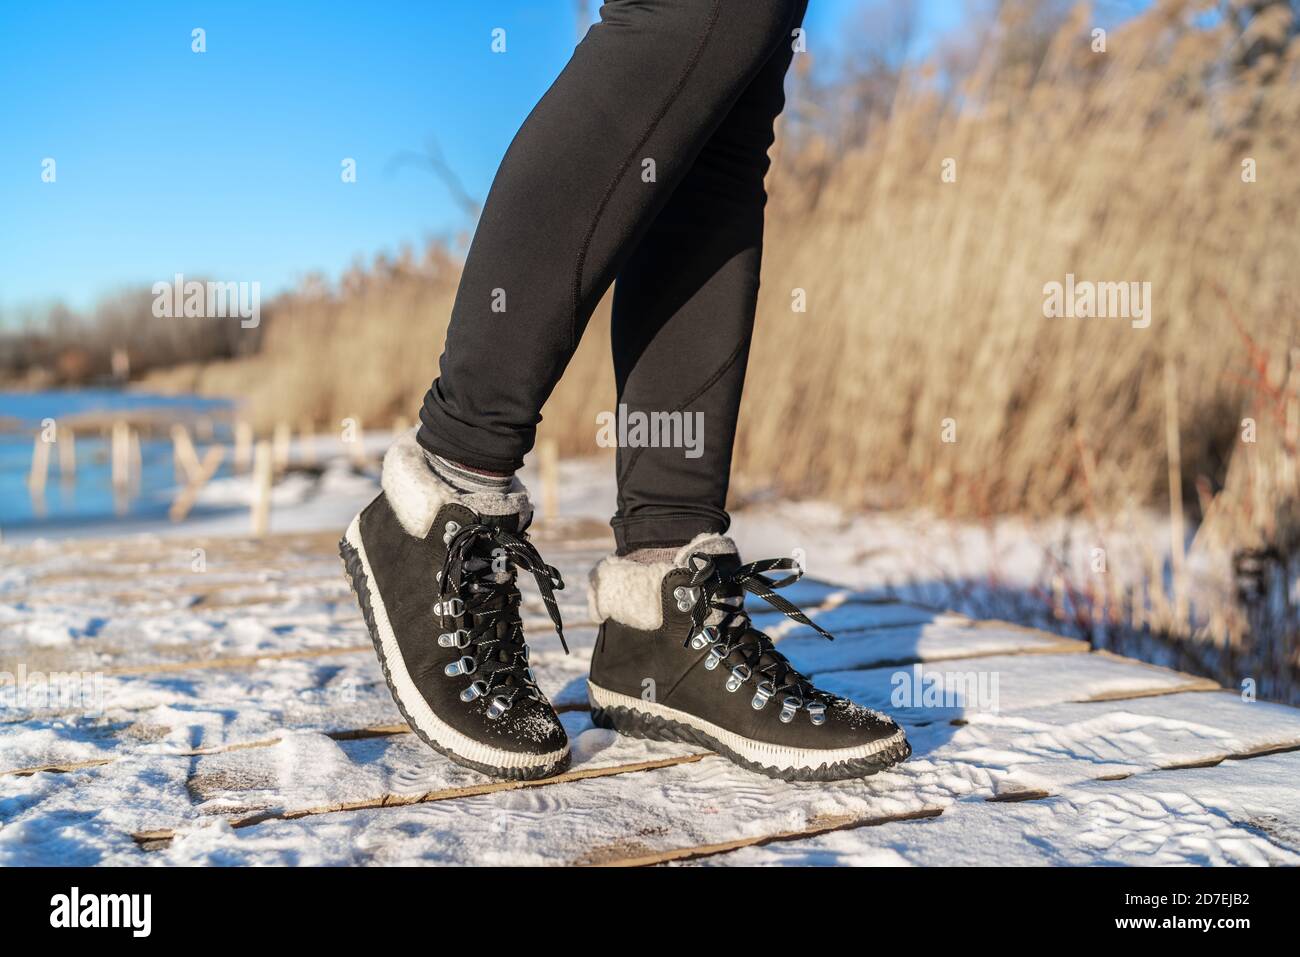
{"x": 434, "y": 572}
{"x": 677, "y": 659}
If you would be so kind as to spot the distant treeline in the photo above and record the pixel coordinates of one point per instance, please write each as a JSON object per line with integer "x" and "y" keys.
{"x": 120, "y": 337}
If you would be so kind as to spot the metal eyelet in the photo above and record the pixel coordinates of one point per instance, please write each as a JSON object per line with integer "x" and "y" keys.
{"x": 476, "y": 690}
{"x": 454, "y": 639}
{"x": 686, "y": 597}
{"x": 461, "y": 666}
{"x": 789, "y": 708}
{"x": 739, "y": 675}
{"x": 817, "y": 713}
{"x": 451, "y": 608}
{"x": 762, "y": 694}
{"x": 451, "y": 529}
{"x": 497, "y": 707}
{"x": 706, "y": 636}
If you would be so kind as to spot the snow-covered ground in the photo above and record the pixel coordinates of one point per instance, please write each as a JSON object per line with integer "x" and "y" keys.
{"x": 228, "y": 710}
{"x": 1002, "y": 567}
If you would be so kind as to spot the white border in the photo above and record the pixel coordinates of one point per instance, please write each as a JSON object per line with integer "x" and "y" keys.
{"x": 777, "y": 756}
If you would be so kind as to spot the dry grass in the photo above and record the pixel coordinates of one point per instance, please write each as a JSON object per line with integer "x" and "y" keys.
{"x": 924, "y": 298}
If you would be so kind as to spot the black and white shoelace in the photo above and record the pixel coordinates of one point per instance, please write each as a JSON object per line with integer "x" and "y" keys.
{"x": 477, "y": 585}
{"x": 748, "y": 652}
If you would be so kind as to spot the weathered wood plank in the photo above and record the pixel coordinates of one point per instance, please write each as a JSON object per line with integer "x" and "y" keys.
{"x": 673, "y": 812}
{"x": 175, "y": 708}
{"x": 246, "y": 718}
{"x": 1229, "y": 814}
{"x": 951, "y": 689}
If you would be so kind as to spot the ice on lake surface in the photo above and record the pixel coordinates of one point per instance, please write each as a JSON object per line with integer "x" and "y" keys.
{"x": 67, "y": 508}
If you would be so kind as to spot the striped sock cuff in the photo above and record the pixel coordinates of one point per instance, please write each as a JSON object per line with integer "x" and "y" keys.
{"x": 466, "y": 480}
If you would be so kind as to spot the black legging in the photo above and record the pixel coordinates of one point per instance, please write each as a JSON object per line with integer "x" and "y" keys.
{"x": 695, "y": 87}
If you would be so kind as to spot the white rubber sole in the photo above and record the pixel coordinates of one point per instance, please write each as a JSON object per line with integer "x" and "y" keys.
{"x": 778, "y": 757}
{"x": 412, "y": 703}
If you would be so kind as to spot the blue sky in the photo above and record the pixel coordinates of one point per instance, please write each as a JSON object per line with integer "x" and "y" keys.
{"x": 226, "y": 164}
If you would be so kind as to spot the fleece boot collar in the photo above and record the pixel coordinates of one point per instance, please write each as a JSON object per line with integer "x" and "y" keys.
{"x": 630, "y": 592}
{"x": 415, "y": 493}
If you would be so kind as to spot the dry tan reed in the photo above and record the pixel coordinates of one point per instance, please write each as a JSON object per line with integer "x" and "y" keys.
{"x": 925, "y": 297}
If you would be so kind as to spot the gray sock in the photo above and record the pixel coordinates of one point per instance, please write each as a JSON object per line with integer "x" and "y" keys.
{"x": 465, "y": 479}
{"x": 649, "y": 556}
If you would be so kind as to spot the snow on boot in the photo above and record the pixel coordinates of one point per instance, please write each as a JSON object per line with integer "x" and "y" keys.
{"x": 434, "y": 571}
{"x": 677, "y": 659}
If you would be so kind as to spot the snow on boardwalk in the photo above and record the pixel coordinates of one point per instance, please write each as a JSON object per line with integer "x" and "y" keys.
{"x": 244, "y": 720}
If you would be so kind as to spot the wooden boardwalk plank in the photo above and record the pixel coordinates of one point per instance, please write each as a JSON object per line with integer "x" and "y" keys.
{"x": 943, "y": 639}
{"x": 246, "y": 721}
{"x": 262, "y": 711}
{"x": 1025, "y": 684}
{"x": 247, "y": 784}
{"x": 253, "y": 697}
{"x": 1222, "y": 815}
{"x": 670, "y": 813}
{"x": 950, "y": 689}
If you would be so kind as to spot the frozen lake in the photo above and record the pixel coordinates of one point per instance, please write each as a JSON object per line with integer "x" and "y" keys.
{"x": 90, "y": 500}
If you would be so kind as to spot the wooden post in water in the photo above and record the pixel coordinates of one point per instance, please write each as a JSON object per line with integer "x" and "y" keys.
{"x": 281, "y": 441}
{"x": 120, "y": 463}
{"x": 135, "y": 471}
{"x": 67, "y": 443}
{"x": 186, "y": 458}
{"x": 120, "y": 454}
{"x": 189, "y": 494}
{"x": 263, "y": 468}
{"x": 40, "y": 467}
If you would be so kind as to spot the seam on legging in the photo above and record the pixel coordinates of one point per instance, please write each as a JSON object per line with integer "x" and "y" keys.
{"x": 691, "y": 64}
{"x": 709, "y": 383}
